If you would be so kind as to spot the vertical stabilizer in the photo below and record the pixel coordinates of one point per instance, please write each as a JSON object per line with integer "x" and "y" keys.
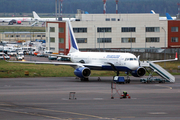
{"x": 72, "y": 40}
{"x": 35, "y": 15}
{"x": 168, "y": 16}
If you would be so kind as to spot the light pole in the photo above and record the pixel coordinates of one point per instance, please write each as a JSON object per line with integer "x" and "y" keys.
{"x": 131, "y": 41}
{"x": 145, "y": 40}
{"x": 164, "y": 46}
{"x": 95, "y": 37}
{"x": 104, "y": 40}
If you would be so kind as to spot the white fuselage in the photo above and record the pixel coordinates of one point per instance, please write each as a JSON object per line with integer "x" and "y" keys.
{"x": 8, "y": 19}
{"x": 52, "y": 19}
{"x": 121, "y": 61}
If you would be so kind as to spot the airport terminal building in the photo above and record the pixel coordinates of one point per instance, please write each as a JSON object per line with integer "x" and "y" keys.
{"x": 109, "y": 31}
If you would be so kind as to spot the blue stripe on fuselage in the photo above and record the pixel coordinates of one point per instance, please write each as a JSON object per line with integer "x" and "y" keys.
{"x": 104, "y": 67}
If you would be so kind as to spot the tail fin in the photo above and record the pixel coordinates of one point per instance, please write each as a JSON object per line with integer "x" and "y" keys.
{"x": 152, "y": 11}
{"x": 35, "y": 15}
{"x": 168, "y": 16}
{"x": 72, "y": 40}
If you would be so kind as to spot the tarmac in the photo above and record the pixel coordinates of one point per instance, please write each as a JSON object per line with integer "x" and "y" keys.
{"x": 49, "y": 98}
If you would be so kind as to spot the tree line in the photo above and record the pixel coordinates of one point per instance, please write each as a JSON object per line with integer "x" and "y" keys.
{"x": 91, "y": 6}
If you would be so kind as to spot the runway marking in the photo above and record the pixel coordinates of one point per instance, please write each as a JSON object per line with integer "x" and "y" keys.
{"x": 157, "y": 113}
{"x": 33, "y": 114}
{"x": 93, "y": 116}
{"x": 165, "y": 86}
{"x": 98, "y": 99}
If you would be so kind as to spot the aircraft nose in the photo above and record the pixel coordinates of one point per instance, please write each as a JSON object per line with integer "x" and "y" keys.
{"x": 134, "y": 65}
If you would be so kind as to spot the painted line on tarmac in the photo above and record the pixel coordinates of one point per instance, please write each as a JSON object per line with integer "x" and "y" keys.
{"x": 33, "y": 114}
{"x": 66, "y": 112}
{"x": 157, "y": 113}
{"x": 165, "y": 86}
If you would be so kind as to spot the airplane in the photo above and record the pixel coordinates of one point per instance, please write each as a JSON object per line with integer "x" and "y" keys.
{"x": 168, "y": 17}
{"x": 84, "y": 62}
{"x": 37, "y": 18}
{"x": 17, "y": 19}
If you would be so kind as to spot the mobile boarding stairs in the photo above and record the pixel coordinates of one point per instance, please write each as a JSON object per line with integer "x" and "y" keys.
{"x": 166, "y": 76}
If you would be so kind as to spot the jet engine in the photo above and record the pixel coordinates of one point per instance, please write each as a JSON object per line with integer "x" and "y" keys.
{"x": 18, "y": 22}
{"x": 139, "y": 72}
{"x": 82, "y": 72}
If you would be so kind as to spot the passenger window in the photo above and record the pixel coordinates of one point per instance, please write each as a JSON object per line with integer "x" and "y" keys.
{"x": 131, "y": 58}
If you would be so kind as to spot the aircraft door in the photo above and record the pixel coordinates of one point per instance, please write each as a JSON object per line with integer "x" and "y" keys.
{"x": 119, "y": 60}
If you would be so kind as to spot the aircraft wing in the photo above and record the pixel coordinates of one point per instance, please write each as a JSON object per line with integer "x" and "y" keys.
{"x": 93, "y": 66}
{"x": 176, "y": 58}
{"x": 53, "y": 63}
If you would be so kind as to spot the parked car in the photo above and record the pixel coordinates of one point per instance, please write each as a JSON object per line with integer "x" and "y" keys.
{"x": 4, "y": 56}
{"x": 40, "y": 54}
{"x": 36, "y": 52}
{"x": 59, "y": 59}
{"x": 20, "y": 57}
{"x": 20, "y": 52}
{"x": 52, "y": 57}
{"x": 12, "y": 53}
{"x": 47, "y": 53}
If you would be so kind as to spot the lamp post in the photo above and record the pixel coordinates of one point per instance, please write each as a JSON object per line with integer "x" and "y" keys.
{"x": 145, "y": 41}
{"x": 104, "y": 40}
{"x": 164, "y": 46}
{"x": 131, "y": 41}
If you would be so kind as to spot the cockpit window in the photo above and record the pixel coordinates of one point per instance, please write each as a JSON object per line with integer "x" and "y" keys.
{"x": 131, "y": 59}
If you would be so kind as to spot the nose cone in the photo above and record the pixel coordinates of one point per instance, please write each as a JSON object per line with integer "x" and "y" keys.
{"x": 134, "y": 65}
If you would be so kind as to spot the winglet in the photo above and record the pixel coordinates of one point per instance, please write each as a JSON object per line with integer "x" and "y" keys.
{"x": 152, "y": 11}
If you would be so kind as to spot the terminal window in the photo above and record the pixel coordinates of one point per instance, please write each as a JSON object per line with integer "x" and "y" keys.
{"x": 11, "y": 35}
{"x": 52, "y": 29}
{"x": 107, "y": 19}
{"x": 103, "y": 29}
{"x": 52, "y": 48}
{"x": 154, "y": 39}
{"x": 152, "y": 29}
{"x": 174, "y": 29}
{"x": 81, "y": 40}
{"x": 61, "y": 30}
{"x": 52, "y": 39}
{"x": 104, "y": 40}
{"x": 128, "y": 29}
{"x": 128, "y": 40}
{"x": 80, "y": 30}
{"x": 61, "y": 49}
{"x": 61, "y": 40}
{"x": 174, "y": 39}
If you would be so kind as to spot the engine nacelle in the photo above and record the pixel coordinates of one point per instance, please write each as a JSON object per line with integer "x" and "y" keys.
{"x": 82, "y": 72}
{"x": 18, "y": 22}
{"x": 139, "y": 72}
